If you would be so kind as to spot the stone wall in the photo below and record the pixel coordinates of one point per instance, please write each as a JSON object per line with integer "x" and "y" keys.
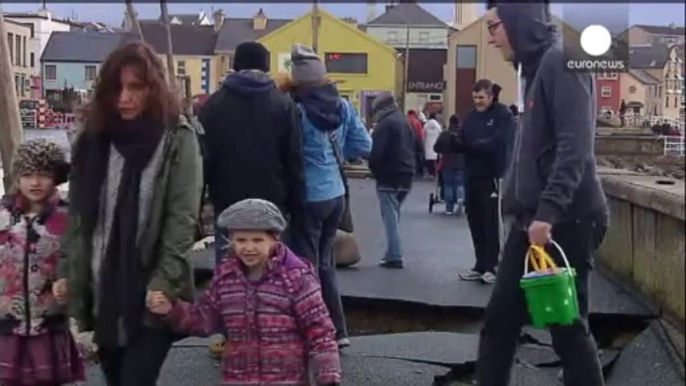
{"x": 645, "y": 242}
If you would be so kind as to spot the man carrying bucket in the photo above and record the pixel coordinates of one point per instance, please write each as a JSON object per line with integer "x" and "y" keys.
{"x": 553, "y": 192}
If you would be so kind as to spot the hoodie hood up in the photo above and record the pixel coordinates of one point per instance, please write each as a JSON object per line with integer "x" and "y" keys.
{"x": 530, "y": 31}
{"x": 248, "y": 82}
{"x": 323, "y": 106}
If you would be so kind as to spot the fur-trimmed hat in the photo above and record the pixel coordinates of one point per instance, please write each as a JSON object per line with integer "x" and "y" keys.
{"x": 252, "y": 214}
{"x": 41, "y": 156}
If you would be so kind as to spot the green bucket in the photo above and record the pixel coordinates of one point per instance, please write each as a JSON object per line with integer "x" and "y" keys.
{"x": 551, "y": 298}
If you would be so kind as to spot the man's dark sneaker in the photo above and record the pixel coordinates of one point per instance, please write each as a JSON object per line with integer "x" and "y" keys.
{"x": 391, "y": 264}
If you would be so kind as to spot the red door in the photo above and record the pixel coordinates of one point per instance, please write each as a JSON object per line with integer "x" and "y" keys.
{"x": 465, "y": 75}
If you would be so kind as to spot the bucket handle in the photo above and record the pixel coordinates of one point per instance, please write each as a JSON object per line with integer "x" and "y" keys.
{"x": 559, "y": 249}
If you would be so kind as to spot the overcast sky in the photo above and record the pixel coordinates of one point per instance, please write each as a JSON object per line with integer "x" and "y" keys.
{"x": 112, "y": 13}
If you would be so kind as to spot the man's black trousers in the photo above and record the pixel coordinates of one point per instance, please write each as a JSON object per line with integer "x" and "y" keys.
{"x": 482, "y": 204}
{"x": 507, "y": 312}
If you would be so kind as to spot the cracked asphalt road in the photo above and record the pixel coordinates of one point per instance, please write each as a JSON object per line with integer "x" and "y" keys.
{"x": 437, "y": 247}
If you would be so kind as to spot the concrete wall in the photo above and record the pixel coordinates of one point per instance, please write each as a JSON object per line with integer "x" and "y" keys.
{"x": 645, "y": 243}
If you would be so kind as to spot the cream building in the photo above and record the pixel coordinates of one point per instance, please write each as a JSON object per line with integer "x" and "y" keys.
{"x": 22, "y": 47}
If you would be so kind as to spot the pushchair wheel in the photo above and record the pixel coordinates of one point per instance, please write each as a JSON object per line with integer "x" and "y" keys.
{"x": 432, "y": 201}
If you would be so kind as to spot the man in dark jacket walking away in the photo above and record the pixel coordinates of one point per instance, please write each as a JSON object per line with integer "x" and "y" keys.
{"x": 484, "y": 142}
{"x": 552, "y": 190}
{"x": 392, "y": 162}
{"x": 253, "y": 140}
{"x": 453, "y": 167}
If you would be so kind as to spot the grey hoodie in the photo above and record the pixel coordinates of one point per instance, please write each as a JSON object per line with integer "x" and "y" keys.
{"x": 553, "y": 175}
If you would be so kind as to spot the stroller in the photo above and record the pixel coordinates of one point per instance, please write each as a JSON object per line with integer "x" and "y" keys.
{"x": 437, "y": 197}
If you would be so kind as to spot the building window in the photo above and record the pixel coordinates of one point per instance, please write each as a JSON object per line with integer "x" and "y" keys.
{"x": 229, "y": 62}
{"x": 17, "y": 86}
{"x": 22, "y": 85}
{"x": 50, "y": 72}
{"x": 23, "y": 56}
{"x": 18, "y": 51}
{"x": 424, "y": 37}
{"x": 466, "y": 57}
{"x": 181, "y": 67}
{"x": 606, "y": 92}
{"x": 10, "y": 41}
{"x": 32, "y": 60}
{"x": 90, "y": 72}
{"x": 667, "y": 102}
{"x": 346, "y": 63}
{"x": 392, "y": 37}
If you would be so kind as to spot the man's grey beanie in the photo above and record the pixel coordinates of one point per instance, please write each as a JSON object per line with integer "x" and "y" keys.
{"x": 306, "y": 66}
{"x": 252, "y": 214}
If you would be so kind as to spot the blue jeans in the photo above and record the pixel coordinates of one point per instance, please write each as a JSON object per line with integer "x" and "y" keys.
{"x": 390, "y": 202}
{"x": 453, "y": 188}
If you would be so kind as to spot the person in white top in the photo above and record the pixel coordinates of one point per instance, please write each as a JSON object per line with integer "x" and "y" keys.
{"x": 432, "y": 129}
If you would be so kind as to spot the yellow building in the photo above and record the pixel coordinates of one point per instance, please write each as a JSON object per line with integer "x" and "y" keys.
{"x": 362, "y": 66}
{"x": 193, "y": 48}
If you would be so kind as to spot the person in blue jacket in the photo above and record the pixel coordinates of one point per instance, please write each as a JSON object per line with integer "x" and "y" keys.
{"x": 332, "y": 131}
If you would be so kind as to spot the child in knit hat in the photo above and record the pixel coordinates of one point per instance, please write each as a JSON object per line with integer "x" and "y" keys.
{"x": 36, "y": 345}
{"x": 267, "y": 300}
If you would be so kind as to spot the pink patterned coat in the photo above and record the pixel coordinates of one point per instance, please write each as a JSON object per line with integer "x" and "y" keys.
{"x": 29, "y": 252}
{"x": 276, "y": 328}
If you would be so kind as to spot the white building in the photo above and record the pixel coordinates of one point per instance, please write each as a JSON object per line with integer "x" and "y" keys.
{"x": 44, "y": 24}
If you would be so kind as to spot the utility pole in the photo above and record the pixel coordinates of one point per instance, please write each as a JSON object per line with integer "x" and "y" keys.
{"x": 170, "y": 51}
{"x": 407, "y": 66}
{"x": 315, "y": 26}
{"x": 10, "y": 121}
{"x": 133, "y": 18}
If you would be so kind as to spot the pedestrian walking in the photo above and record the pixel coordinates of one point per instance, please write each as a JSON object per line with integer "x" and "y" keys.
{"x": 36, "y": 345}
{"x": 392, "y": 165}
{"x": 292, "y": 331}
{"x": 418, "y": 128}
{"x": 332, "y": 132}
{"x": 134, "y": 197}
{"x": 432, "y": 129}
{"x": 252, "y": 140}
{"x": 484, "y": 141}
{"x": 552, "y": 189}
{"x": 452, "y": 167}
{"x": 248, "y": 116}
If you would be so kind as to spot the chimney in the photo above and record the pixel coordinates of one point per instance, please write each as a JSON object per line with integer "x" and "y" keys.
{"x": 390, "y": 4}
{"x": 371, "y": 10}
{"x": 259, "y": 21}
{"x": 465, "y": 14}
{"x": 218, "y": 20}
{"x": 350, "y": 20}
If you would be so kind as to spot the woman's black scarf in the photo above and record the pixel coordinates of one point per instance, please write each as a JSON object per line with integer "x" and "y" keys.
{"x": 123, "y": 278}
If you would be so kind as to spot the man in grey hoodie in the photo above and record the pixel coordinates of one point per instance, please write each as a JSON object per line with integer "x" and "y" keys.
{"x": 552, "y": 190}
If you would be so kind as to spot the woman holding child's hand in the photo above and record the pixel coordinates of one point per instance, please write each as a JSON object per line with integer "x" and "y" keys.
{"x": 158, "y": 303}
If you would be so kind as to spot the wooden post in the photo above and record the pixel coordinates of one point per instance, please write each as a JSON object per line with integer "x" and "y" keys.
{"x": 315, "y": 26}
{"x": 407, "y": 67}
{"x": 133, "y": 18}
{"x": 170, "y": 51}
{"x": 10, "y": 121}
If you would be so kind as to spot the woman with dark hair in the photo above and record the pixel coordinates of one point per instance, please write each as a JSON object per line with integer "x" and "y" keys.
{"x": 332, "y": 132}
{"x": 453, "y": 167}
{"x": 134, "y": 195}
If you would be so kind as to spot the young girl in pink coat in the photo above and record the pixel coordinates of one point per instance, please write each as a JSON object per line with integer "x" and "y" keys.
{"x": 269, "y": 303}
{"x": 36, "y": 345}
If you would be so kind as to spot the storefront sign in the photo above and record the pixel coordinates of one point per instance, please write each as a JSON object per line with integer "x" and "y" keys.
{"x": 429, "y": 87}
